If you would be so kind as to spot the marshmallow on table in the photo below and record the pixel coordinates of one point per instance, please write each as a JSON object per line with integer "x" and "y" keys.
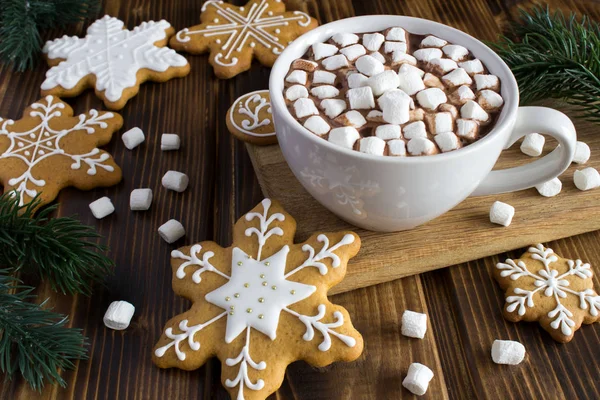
{"x": 408, "y": 67}
{"x": 427, "y": 55}
{"x": 305, "y": 65}
{"x": 447, "y": 141}
{"x": 296, "y": 92}
{"x": 345, "y": 39}
{"x": 317, "y": 125}
{"x": 586, "y": 179}
{"x": 396, "y": 147}
{"x": 533, "y": 144}
{"x": 373, "y": 41}
{"x": 410, "y": 82}
{"x": 415, "y": 130}
{"x": 369, "y": 66}
{"x": 387, "y": 132}
{"x": 501, "y": 213}
{"x": 396, "y": 34}
{"x": 118, "y": 315}
{"x": 169, "y": 142}
{"x": 582, "y": 153}
{"x": 432, "y": 41}
{"x": 333, "y": 107}
{"x": 378, "y": 56}
{"x": 489, "y": 100}
{"x": 381, "y": 83}
{"x": 133, "y": 138}
{"x": 324, "y": 77}
{"x": 297, "y": 76}
{"x": 550, "y": 188}
{"x": 414, "y": 324}
{"x": 324, "y": 91}
{"x": 421, "y": 146}
{"x": 507, "y": 352}
{"x": 171, "y": 231}
{"x": 431, "y": 98}
{"x": 472, "y": 110}
{"x": 102, "y": 207}
{"x": 403, "y": 58}
{"x": 472, "y": 66}
{"x": 140, "y": 199}
{"x": 351, "y": 118}
{"x": 344, "y": 137}
{"x": 455, "y": 52}
{"x": 467, "y": 128}
{"x": 418, "y": 378}
{"x": 175, "y": 180}
{"x": 335, "y": 62}
{"x": 487, "y": 82}
{"x": 395, "y": 105}
{"x": 371, "y": 145}
{"x": 361, "y": 98}
{"x": 430, "y": 80}
{"x": 356, "y": 80}
{"x": 354, "y": 51}
{"x": 458, "y": 77}
{"x": 444, "y": 65}
{"x": 323, "y": 50}
{"x": 304, "y": 108}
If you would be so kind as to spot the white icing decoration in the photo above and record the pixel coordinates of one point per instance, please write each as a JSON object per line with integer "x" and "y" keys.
{"x": 114, "y": 62}
{"x": 242, "y": 379}
{"x": 251, "y": 106}
{"x": 314, "y": 260}
{"x": 193, "y": 259}
{"x": 264, "y": 233}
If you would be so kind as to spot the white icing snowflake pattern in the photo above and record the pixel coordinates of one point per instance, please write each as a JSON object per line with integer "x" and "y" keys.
{"x": 251, "y": 106}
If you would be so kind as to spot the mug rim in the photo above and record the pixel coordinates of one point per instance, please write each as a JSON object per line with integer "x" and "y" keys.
{"x": 509, "y": 89}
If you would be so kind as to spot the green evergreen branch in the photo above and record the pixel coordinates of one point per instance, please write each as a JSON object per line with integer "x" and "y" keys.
{"x": 58, "y": 249}
{"x": 555, "y": 57}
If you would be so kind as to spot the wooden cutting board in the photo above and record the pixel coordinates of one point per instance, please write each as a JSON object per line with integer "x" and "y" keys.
{"x": 462, "y": 234}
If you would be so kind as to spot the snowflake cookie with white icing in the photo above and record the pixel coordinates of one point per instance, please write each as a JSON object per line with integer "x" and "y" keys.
{"x": 113, "y": 60}
{"x": 250, "y": 119}
{"x": 234, "y": 35}
{"x": 49, "y": 149}
{"x": 260, "y": 304}
{"x": 557, "y": 292}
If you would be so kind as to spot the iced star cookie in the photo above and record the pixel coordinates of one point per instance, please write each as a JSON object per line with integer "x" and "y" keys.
{"x": 541, "y": 286}
{"x": 260, "y": 304}
{"x": 113, "y": 60}
{"x": 250, "y": 119}
{"x": 49, "y": 149}
{"x": 234, "y": 35}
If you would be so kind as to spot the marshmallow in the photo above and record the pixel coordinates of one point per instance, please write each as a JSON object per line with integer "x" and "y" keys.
{"x": 375, "y": 116}
{"x": 489, "y": 99}
{"x": 361, "y": 98}
{"x": 443, "y": 65}
{"x": 415, "y": 130}
{"x": 354, "y": 51}
{"x": 387, "y": 132}
{"x": 323, "y": 50}
{"x": 472, "y": 110}
{"x": 403, "y": 58}
{"x": 410, "y": 82}
{"x": 102, "y": 207}
{"x": 414, "y": 324}
{"x": 371, "y": 145}
{"x": 408, "y": 67}
{"x": 373, "y": 41}
{"x": 324, "y": 91}
{"x": 461, "y": 95}
{"x": 417, "y": 114}
{"x": 533, "y": 144}
{"x": 171, "y": 231}
{"x": 383, "y": 82}
{"x": 369, "y": 66}
{"x": 297, "y": 76}
{"x": 467, "y": 129}
{"x": 550, "y": 188}
{"x": 140, "y": 199}
{"x": 395, "y": 105}
{"x": 305, "y": 65}
{"x": 455, "y": 52}
{"x": 431, "y": 98}
{"x": 456, "y": 78}
{"x": 396, "y": 34}
{"x": 133, "y": 138}
{"x": 501, "y": 213}
{"x": 472, "y": 66}
{"x": 427, "y": 55}
{"x": 317, "y": 125}
{"x": 356, "y": 80}
{"x": 170, "y": 141}
{"x": 304, "y": 108}
{"x": 432, "y": 41}
{"x": 396, "y": 147}
{"x": 430, "y": 80}
{"x": 391, "y": 47}
{"x": 582, "y": 153}
{"x": 333, "y": 107}
{"x": 449, "y": 108}
{"x": 447, "y": 141}
{"x": 344, "y": 137}
{"x": 118, "y": 315}
{"x": 296, "y": 92}
{"x": 335, "y": 62}
{"x": 507, "y": 352}
{"x": 345, "y": 39}
{"x": 487, "y": 82}
{"x": 440, "y": 122}
{"x": 418, "y": 378}
{"x": 378, "y": 56}
{"x": 421, "y": 146}
{"x": 175, "y": 180}
{"x": 351, "y": 118}
{"x": 586, "y": 179}
{"x": 324, "y": 77}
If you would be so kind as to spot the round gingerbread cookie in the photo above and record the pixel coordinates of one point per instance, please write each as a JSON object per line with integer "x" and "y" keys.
{"x": 250, "y": 119}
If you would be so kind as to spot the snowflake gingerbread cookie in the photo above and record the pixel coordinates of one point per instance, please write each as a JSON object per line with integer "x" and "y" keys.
{"x": 541, "y": 286}
{"x": 49, "y": 149}
{"x": 260, "y": 304}
{"x": 250, "y": 118}
{"x": 113, "y": 60}
{"x": 234, "y": 35}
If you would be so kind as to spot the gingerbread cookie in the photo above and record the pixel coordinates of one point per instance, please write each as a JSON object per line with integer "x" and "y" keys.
{"x": 250, "y": 119}
{"x": 113, "y": 60}
{"x": 50, "y": 149}
{"x": 541, "y": 286}
{"x": 260, "y": 304}
{"x": 234, "y": 35}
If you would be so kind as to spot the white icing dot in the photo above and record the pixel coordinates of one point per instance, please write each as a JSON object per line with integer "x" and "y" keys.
{"x": 32, "y": 135}
{"x": 46, "y": 134}
{"x": 270, "y": 13}
{"x": 277, "y": 30}
{"x": 20, "y": 144}
{"x": 48, "y": 143}
{"x": 216, "y": 20}
{"x": 27, "y": 153}
{"x": 41, "y": 152}
{"x": 276, "y": 39}
{"x": 218, "y": 41}
{"x": 274, "y": 50}
{"x": 242, "y": 8}
{"x": 252, "y": 44}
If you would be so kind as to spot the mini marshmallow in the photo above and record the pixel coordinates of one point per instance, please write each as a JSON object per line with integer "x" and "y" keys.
{"x": 501, "y": 213}
{"x": 361, "y": 98}
{"x": 507, "y": 352}
{"x": 304, "y": 108}
{"x": 472, "y": 110}
{"x": 455, "y": 52}
{"x": 356, "y": 80}
{"x": 403, "y": 58}
{"x": 461, "y": 95}
{"x": 371, "y": 145}
{"x": 323, "y": 50}
{"x": 297, "y": 76}
{"x": 378, "y": 56}
{"x": 324, "y": 77}
{"x": 133, "y": 138}
{"x": 418, "y": 114}
{"x": 410, "y": 82}
{"x": 472, "y": 66}
{"x": 582, "y": 153}
{"x": 408, "y": 67}
{"x": 369, "y": 66}
{"x": 171, "y": 231}
{"x": 396, "y": 147}
{"x": 487, "y": 82}
{"x": 443, "y": 65}
{"x": 324, "y": 91}
{"x": 373, "y": 41}
{"x": 317, "y": 125}
{"x": 414, "y": 324}
{"x": 440, "y": 122}
{"x": 533, "y": 144}
{"x": 418, "y": 378}
{"x": 447, "y": 141}
{"x": 586, "y": 179}
{"x": 140, "y": 199}
{"x": 427, "y": 55}
{"x": 175, "y": 180}
{"x": 396, "y": 34}
{"x": 344, "y": 137}
{"x": 102, "y": 207}
{"x": 431, "y": 98}
{"x": 456, "y": 78}
{"x": 345, "y": 39}
{"x": 335, "y": 62}
{"x": 391, "y": 47}
{"x": 449, "y": 108}
{"x": 351, "y": 118}
{"x": 387, "y": 132}
{"x": 296, "y": 92}
{"x": 421, "y": 146}
{"x": 489, "y": 100}
{"x": 395, "y": 105}
{"x": 550, "y": 188}
{"x": 467, "y": 129}
{"x": 305, "y": 65}
{"x": 414, "y": 130}
{"x": 118, "y": 315}
{"x": 432, "y": 41}
{"x": 381, "y": 83}
{"x": 333, "y": 107}
{"x": 354, "y": 51}
{"x": 430, "y": 80}
{"x": 375, "y": 116}
{"x": 169, "y": 142}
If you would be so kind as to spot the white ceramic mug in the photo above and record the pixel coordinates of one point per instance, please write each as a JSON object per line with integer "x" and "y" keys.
{"x": 398, "y": 193}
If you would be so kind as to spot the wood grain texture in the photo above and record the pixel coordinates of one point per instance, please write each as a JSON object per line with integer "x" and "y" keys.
{"x": 463, "y": 302}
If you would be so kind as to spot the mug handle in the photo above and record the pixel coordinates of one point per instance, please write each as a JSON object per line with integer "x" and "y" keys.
{"x": 534, "y": 119}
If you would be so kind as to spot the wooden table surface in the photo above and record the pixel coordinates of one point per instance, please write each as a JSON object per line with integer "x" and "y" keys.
{"x": 463, "y": 302}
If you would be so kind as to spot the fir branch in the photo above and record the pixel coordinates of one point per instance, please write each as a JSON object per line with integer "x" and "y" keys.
{"x": 58, "y": 249}
{"x": 555, "y": 57}
{"x": 35, "y": 341}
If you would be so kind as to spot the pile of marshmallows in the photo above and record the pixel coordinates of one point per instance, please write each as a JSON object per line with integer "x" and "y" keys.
{"x": 410, "y": 107}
